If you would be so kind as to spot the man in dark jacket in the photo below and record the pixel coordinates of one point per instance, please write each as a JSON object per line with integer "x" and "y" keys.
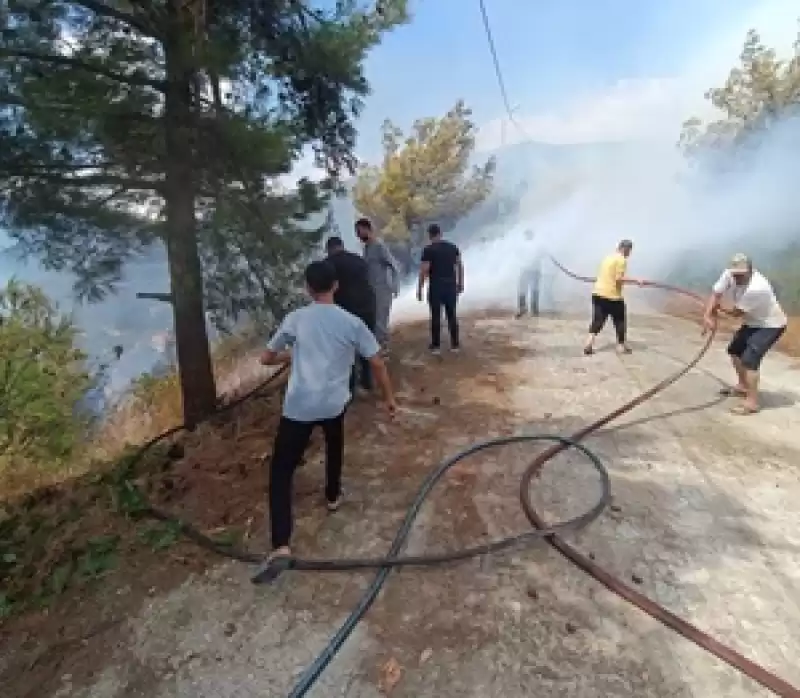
{"x": 353, "y": 294}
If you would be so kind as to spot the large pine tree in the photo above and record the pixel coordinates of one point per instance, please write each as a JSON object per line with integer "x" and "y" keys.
{"x": 128, "y": 123}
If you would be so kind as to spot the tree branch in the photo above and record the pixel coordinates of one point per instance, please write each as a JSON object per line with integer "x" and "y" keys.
{"x": 31, "y": 169}
{"x": 9, "y": 100}
{"x": 100, "y": 8}
{"x": 100, "y": 180}
{"x": 148, "y": 295}
{"x": 85, "y": 66}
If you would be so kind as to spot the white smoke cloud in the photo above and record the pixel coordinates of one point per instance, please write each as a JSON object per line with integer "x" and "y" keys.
{"x": 632, "y": 110}
{"x": 650, "y": 109}
{"x": 641, "y": 188}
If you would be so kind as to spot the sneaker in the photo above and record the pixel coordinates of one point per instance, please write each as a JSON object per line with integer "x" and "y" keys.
{"x": 334, "y": 505}
{"x": 455, "y": 350}
{"x": 436, "y": 351}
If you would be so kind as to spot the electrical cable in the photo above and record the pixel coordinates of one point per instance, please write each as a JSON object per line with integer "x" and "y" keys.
{"x": 496, "y": 60}
{"x": 542, "y": 530}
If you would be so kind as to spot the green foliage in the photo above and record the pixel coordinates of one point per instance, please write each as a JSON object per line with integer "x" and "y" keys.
{"x": 51, "y": 542}
{"x": 84, "y": 130}
{"x": 160, "y": 535}
{"x": 43, "y": 378}
{"x": 123, "y": 124}
{"x": 757, "y": 92}
{"x": 425, "y": 176}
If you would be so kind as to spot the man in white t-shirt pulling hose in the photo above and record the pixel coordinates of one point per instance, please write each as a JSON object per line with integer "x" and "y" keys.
{"x": 763, "y": 323}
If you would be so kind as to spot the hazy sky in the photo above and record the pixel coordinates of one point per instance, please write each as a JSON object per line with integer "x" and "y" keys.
{"x": 580, "y": 70}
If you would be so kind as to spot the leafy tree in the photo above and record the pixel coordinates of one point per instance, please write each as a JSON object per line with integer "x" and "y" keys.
{"x": 129, "y": 123}
{"x": 759, "y": 91}
{"x": 43, "y": 378}
{"x": 425, "y": 176}
{"x": 758, "y": 94}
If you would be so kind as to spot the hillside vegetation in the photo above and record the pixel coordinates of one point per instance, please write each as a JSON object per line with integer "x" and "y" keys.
{"x": 759, "y": 106}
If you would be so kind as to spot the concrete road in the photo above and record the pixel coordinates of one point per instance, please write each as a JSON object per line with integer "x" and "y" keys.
{"x": 705, "y": 520}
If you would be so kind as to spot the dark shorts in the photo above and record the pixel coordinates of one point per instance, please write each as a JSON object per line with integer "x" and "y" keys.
{"x": 751, "y": 344}
{"x": 604, "y": 308}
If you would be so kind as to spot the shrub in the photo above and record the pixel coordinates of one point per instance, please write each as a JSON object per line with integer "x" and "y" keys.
{"x": 43, "y": 379}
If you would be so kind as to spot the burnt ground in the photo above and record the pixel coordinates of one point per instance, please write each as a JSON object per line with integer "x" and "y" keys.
{"x": 704, "y": 521}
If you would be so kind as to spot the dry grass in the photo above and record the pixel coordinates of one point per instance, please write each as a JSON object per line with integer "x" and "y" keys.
{"x": 152, "y": 406}
{"x": 61, "y": 530}
{"x": 78, "y": 544}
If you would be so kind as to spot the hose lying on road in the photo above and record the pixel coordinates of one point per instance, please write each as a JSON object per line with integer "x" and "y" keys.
{"x": 541, "y": 530}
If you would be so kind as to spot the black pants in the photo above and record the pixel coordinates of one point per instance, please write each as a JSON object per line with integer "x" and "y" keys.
{"x": 529, "y": 284}
{"x": 602, "y": 308}
{"x": 443, "y": 296}
{"x": 361, "y": 368}
{"x": 751, "y": 344}
{"x": 291, "y": 442}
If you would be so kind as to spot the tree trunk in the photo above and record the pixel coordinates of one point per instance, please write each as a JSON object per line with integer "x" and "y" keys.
{"x": 198, "y": 389}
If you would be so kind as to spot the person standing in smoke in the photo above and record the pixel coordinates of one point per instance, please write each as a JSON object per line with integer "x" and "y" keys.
{"x": 607, "y": 300}
{"x": 384, "y": 275}
{"x": 443, "y": 270}
{"x": 530, "y": 281}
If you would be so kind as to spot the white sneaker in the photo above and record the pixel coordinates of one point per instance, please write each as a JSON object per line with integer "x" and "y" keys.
{"x": 334, "y": 506}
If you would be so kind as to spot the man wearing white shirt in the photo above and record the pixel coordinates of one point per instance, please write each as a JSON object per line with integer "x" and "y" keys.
{"x": 763, "y": 323}
{"x": 530, "y": 279}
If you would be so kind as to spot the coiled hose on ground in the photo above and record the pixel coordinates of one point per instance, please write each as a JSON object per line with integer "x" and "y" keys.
{"x": 541, "y": 530}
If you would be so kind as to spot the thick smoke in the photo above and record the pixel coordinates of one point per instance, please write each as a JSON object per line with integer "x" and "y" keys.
{"x": 683, "y": 216}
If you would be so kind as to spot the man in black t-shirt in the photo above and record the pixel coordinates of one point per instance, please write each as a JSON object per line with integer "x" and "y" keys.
{"x": 443, "y": 270}
{"x": 353, "y": 294}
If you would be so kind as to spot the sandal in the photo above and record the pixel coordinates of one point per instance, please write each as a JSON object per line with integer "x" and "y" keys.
{"x": 732, "y": 392}
{"x": 588, "y": 351}
{"x": 743, "y": 410}
{"x": 272, "y": 567}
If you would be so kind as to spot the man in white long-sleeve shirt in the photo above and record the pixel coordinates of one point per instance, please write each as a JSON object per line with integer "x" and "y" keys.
{"x": 384, "y": 275}
{"x": 763, "y": 323}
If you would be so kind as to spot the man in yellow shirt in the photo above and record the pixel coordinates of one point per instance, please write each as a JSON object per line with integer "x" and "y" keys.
{"x": 607, "y": 297}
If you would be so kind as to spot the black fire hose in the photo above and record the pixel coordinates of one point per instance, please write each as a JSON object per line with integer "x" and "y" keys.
{"x": 541, "y": 531}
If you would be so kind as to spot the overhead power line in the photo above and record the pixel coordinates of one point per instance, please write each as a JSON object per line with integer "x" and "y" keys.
{"x": 497, "y": 69}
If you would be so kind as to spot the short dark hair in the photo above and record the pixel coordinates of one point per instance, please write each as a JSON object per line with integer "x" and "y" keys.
{"x": 625, "y": 244}
{"x": 320, "y": 276}
{"x": 334, "y": 243}
{"x": 434, "y": 230}
{"x": 364, "y": 223}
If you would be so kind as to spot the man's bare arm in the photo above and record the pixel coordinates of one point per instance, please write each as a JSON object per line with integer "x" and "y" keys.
{"x": 276, "y": 358}
{"x": 713, "y": 305}
{"x": 381, "y": 373}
